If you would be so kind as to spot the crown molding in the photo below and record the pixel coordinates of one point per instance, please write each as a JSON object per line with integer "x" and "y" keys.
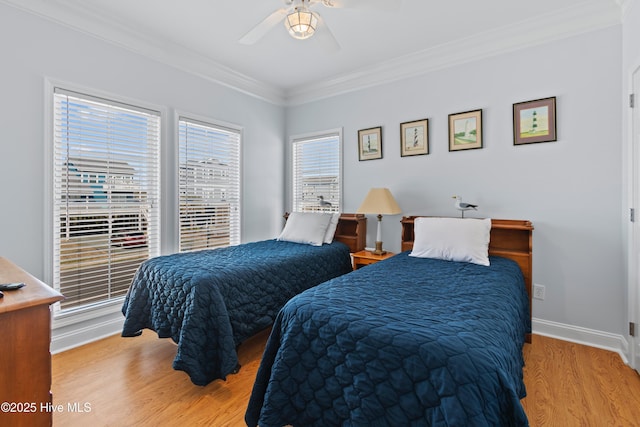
{"x": 589, "y": 16}
{"x": 626, "y": 6}
{"x": 84, "y": 20}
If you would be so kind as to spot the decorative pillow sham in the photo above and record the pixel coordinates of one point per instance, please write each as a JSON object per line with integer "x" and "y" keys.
{"x": 452, "y": 239}
{"x": 306, "y": 227}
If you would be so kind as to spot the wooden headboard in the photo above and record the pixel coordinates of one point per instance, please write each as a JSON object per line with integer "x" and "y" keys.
{"x": 351, "y": 230}
{"x": 510, "y": 238}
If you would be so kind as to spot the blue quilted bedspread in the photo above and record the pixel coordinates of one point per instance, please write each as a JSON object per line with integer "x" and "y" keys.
{"x": 404, "y": 342}
{"x": 210, "y": 301}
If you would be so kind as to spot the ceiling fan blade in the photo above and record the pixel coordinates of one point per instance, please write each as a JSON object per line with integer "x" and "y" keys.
{"x": 325, "y": 36}
{"x": 363, "y": 4}
{"x": 257, "y": 32}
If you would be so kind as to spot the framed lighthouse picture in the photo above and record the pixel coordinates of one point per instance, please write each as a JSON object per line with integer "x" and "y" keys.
{"x": 370, "y": 143}
{"x": 414, "y": 138}
{"x": 534, "y": 121}
{"x": 465, "y": 130}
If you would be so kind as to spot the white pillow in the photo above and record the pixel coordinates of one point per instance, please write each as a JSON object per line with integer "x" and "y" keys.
{"x": 306, "y": 227}
{"x": 452, "y": 239}
{"x": 331, "y": 229}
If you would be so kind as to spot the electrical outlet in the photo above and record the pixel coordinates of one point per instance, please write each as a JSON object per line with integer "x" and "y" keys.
{"x": 538, "y": 292}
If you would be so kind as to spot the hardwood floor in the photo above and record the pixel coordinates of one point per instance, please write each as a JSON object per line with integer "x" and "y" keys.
{"x": 574, "y": 385}
{"x": 130, "y": 382}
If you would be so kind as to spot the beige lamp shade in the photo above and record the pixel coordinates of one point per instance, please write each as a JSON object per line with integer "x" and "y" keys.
{"x": 379, "y": 201}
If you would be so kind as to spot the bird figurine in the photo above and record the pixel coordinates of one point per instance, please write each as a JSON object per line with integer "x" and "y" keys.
{"x": 462, "y": 206}
{"x": 323, "y": 202}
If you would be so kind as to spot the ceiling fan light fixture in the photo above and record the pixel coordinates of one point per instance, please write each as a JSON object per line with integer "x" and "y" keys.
{"x": 301, "y": 23}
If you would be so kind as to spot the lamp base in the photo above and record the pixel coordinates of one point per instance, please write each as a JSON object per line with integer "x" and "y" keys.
{"x": 378, "y": 250}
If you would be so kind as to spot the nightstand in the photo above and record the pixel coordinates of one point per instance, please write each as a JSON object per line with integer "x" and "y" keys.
{"x": 362, "y": 258}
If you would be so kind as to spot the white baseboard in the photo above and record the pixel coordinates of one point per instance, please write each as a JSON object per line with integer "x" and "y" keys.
{"x": 63, "y": 339}
{"x": 585, "y": 336}
{"x": 79, "y": 334}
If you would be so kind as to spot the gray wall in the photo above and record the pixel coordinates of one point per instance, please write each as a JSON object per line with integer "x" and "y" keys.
{"x": 34, "y": 49}
{"x": 570, "y": 189}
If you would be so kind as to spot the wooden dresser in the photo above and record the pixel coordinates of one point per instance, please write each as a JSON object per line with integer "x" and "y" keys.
{"x": 25, "y": 357}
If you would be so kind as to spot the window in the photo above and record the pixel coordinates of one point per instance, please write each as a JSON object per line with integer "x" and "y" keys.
{"x": 317, "y": 181}
{"x": 209, "y": 187}
{"x": 105, "y": 196}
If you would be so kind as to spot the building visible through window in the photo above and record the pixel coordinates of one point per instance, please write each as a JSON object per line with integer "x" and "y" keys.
{"x": 317, "y": 182}
{"x": 209, "y": 185}
{"x": 105, "y": 196}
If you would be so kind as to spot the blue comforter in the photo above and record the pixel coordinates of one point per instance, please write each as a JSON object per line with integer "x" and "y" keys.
{"x": 210, "y": 301}
{"x": 404, "y": 342}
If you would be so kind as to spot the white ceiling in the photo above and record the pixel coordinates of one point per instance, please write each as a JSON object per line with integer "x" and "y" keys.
{"x": 201, "y": 36}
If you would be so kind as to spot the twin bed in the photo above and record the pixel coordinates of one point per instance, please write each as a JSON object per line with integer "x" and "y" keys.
{"x": 431, "y": 336}
{"x": 406, "y": 341}
{"x": 209, "y": 302}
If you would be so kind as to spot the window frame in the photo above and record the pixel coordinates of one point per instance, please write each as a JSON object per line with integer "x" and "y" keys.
{"x": 309, "y": 137}
{"x": 206, "y": 121}
{"x": 63, "y": 318}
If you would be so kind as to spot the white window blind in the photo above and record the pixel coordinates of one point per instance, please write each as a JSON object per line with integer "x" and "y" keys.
{"x": 317, "y": 179}
{"x": 106, "y": 191}
{"x": 209, "y": 162}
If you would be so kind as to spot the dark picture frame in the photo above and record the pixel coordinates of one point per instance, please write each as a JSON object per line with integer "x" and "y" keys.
{"x": 534, "y": 121}
{"x": 465, "y": 130}
{"x": 414, "y": 138}
{"x": 370, "y": 143}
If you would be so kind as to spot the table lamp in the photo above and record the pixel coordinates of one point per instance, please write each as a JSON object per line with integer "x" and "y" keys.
{"x": 379, "y": 201}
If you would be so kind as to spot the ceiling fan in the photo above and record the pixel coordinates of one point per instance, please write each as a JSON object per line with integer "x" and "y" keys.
{"x": 302, "y": 20}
